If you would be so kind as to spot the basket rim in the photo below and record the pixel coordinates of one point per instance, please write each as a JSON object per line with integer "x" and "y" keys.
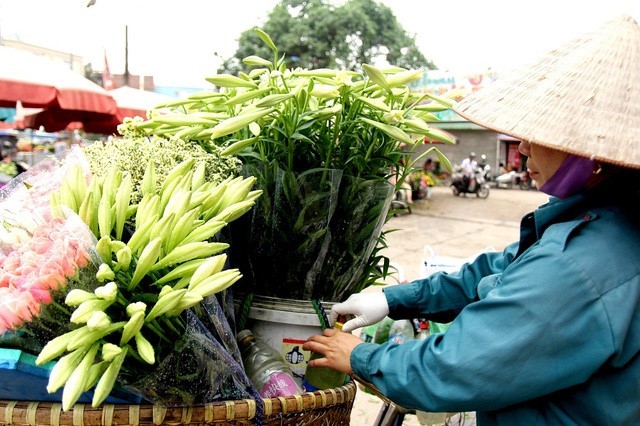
{"x": 44, "y": 413}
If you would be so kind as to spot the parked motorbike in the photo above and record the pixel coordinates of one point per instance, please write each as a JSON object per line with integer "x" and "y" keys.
{"x": 478, "y": 184}
{"x": 514, "y": 179}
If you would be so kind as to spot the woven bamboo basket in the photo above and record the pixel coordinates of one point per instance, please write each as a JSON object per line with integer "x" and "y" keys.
{"x": 326, "y": 407}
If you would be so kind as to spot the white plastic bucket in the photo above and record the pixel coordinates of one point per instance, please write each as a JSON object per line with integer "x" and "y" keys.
{"x": 285, "y": 324}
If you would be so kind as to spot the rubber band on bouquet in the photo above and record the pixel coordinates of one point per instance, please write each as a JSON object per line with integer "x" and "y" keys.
{"x": 322, "y": 315}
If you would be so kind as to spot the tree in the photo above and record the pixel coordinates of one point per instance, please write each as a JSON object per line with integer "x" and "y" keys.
{"x": 317, "y": 34}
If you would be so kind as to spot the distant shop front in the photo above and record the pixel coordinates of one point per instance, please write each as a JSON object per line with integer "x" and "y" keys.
{"x": 507, "y": 148}
{"x": 498, "y": 148}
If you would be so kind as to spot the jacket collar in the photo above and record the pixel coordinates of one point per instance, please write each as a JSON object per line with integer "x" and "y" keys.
{"x": 533, "y": 224}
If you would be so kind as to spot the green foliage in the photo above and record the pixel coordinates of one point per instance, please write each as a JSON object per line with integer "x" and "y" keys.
{"x": 322, "y": 144}
{"x": 363, "y": 123}
{"x": 317, "y": 34}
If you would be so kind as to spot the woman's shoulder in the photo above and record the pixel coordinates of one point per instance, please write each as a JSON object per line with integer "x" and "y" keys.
{"x": 602, "y": 241}
{"x": 609, "y": 224}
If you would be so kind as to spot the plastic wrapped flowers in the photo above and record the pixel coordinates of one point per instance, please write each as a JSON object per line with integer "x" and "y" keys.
{"x": 125, "y": 290}
{"x": 40, "y": 254}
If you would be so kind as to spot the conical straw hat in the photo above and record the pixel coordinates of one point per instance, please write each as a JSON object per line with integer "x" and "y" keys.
{"x": 582, "y": 98}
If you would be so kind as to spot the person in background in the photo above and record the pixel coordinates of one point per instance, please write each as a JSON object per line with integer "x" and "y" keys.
{"x": 484, "y": 167}
{"x": 437, "y": 168}
{"x": 483, "y": 161}
{"x": 428, "y": 166}
{"x": 547, "y": 331}
{"x": 469, "y": 166}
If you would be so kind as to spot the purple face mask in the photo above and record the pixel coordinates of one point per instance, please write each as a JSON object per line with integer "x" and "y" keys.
{"x": 571, "y": 177}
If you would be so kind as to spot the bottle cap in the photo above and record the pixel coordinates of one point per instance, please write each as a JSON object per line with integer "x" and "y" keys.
{"x": 244, "y": 334}
{"x": 340, "y": 322}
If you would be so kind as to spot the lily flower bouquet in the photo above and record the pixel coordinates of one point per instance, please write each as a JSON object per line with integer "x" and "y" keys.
{"x": 323, "y": 145}
{"x": 116, "y": 275}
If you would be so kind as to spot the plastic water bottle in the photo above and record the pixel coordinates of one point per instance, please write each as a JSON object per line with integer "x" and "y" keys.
{"x": 316, "y": 378}
{"x": 401, "y": 331}
{"x": 367, "y": 333}
{"x": 266, "y": 367}
{"x": 382, "y": 331}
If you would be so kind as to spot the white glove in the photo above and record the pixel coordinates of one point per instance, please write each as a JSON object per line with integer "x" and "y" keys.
{"x": 368, "y": 308}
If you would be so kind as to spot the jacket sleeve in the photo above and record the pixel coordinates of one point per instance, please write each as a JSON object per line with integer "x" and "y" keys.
{"x": 442, "y": 296}
{"x": 539, "y": 328}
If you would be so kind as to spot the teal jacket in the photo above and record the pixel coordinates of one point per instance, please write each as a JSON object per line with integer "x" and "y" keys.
{"x": 545, "y": 333}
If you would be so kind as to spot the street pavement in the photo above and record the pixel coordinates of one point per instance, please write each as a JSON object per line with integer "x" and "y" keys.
{"x": 455, "y": 228}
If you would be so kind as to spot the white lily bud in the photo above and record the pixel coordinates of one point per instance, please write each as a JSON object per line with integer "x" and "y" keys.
{"x": 83, "y": 312}
{"x": 145, "y": 350}
{"x": 64, "y": 368}
{"x": 56, "y": 347}
{"x": 132, "y": 308}
{"x": 110, "y": 351}
{"x": 98, "y": 321}
{"x": 75, "y": 384}
{"x": 124, "y": 257}
{"x": 132, "y": 327}
{"x": 108, "y": 291}
{"x": 77, "y": 296}
{"x": 105, "y": 273}
{"x": 165, "y": 290}
{"x": 108, "y": 379}
{"x": 103, "y": 247}
{"x": 393, "y": 117}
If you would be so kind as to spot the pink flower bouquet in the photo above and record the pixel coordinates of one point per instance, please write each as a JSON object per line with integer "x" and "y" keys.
{"x": 35, "y": 267}
{"x": 40, "y": 253}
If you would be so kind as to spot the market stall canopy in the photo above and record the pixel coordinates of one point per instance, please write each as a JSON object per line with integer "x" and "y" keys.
{"x": 55, "y": 119}
{"x": 130, "y": 103}
{"x": 38, "y": 82}
{"x": 135, "y": 102}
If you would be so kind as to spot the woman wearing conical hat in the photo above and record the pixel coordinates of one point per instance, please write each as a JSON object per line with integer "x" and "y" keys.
{"x": 547, "y": 331}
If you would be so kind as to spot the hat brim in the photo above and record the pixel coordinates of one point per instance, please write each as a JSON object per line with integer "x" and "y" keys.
{"x": 582, "y": 98}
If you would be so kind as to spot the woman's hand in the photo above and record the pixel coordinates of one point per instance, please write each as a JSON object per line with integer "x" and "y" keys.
{"x": 336, "y": 346}
{"x": 367, "y": 308}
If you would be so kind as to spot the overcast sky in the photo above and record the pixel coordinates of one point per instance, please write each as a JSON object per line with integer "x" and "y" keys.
{"x": 177, "y": 41}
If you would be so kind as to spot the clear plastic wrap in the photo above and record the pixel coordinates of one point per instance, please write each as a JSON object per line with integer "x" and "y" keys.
{"x": 311, "y": 235}
{"x": 215, "y": 317}
{"x": 42, "y": 255}
{"x": 283, "y": 247}
{"x": 198, "y": 370}
{"x": 355, "y": 227}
